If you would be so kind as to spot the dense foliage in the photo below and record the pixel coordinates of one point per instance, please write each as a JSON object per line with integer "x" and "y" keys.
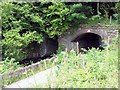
{"x": 24, "y": 23}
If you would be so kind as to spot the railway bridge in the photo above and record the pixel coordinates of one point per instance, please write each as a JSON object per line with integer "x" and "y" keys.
{"x": 88, "y": 37}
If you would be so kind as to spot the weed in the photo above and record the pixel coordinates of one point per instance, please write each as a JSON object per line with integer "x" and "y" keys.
{"x": 96, "y": 69}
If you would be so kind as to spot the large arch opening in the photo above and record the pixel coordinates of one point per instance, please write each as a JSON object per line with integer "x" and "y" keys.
{"x": 88, "y": 41}
{"x": 37, "y": 52}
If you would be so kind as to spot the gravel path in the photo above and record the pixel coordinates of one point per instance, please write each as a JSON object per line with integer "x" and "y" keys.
{"x": 39, "y": 78}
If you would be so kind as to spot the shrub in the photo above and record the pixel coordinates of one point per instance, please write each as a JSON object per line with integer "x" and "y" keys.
{"x": 8, "y": 65}
{"x": 24, "y": 23}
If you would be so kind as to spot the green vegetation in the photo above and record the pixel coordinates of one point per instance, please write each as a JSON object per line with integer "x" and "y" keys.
{"x": 7, "y": 67}
{"x": 96, "y": 69}
{"x": 102, "y": 22}
{"x": 26, "y": 22}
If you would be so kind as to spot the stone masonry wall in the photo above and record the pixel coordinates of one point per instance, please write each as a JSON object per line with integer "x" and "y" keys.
{"x": 103, "y": 31}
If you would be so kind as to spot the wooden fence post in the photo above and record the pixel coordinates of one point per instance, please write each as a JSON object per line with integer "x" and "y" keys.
{"x": 110, "y": 20}
{"x": 77, "y": 47}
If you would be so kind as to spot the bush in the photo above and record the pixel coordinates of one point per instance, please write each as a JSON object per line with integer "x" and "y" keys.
{"x": 24, "y": 23}
{"x": 8, "y": 65}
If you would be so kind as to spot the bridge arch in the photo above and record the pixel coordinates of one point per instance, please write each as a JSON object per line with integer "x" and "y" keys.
{"x": 88, "y": 40}
{"x": 102, "y": 36}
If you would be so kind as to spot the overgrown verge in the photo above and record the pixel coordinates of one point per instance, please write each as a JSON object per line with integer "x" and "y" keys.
{"x": 96, "y": 69}
{"x": 12, "y": 72}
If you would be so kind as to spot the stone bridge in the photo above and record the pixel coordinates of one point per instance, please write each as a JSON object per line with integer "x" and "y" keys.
{"x": 97, "y": 36}
{"x": 83, "y": 37}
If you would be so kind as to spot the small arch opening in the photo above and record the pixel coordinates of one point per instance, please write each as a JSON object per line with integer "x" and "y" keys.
{"x": 88, "y": 41}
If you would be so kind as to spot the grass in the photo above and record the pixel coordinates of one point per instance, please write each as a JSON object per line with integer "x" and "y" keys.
{"x": 103, "y": 22}
{"x": 96, "y": 69}
{"x": 45, "y": 64}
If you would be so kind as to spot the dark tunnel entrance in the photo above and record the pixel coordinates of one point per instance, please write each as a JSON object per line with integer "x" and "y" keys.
{"x": 88, "y": 41}
{"x": 37, "y": 52}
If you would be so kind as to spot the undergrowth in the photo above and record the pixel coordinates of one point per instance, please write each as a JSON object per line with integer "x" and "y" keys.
{"x": 96, "y": 69}
{"x": 7, "y": 67}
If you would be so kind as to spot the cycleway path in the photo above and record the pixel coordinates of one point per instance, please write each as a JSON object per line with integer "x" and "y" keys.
{"x": 42, "y": 77}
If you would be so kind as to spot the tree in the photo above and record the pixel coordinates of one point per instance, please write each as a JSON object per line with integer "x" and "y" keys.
{"x": 27, "y": 22}
{"x": 24, "y": 23}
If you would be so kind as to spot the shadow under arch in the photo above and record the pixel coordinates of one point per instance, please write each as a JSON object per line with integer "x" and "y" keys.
{"x": 88, "y": 40}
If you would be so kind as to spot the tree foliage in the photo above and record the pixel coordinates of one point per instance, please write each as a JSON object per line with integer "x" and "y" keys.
{"x": 26, "y": 22}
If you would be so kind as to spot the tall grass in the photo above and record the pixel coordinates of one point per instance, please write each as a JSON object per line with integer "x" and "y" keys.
{"x": 96, "y": 69}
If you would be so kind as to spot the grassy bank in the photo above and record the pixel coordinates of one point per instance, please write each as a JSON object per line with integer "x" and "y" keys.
{"x": 96, "y": 69}
{"x": 8, "y": 67}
